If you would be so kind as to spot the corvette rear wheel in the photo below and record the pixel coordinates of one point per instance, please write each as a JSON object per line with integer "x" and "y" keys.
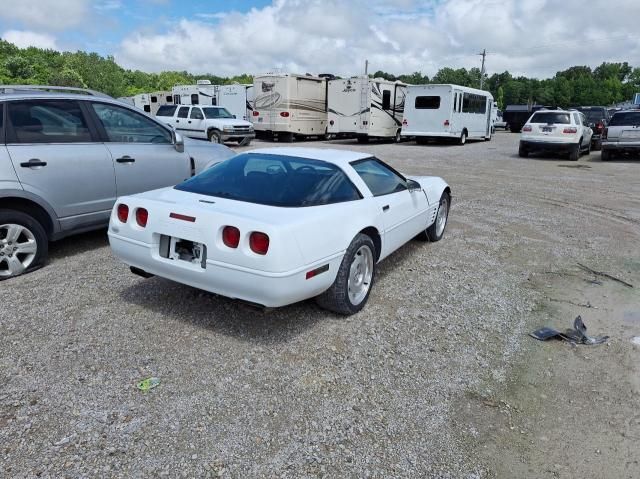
{"x": 435, "y": 232}
{"x": 350, "y": 291}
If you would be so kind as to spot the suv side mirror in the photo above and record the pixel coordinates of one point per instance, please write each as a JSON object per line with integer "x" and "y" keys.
{"x": 178, "y": 142}
{"x": 413, "y": 186}
{"x": 234, "y": 116}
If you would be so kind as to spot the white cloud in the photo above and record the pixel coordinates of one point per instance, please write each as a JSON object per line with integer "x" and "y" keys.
{"x": 25, "y": 38}
{"x": 399, "y": 36}
{"x": 50, "y": 15}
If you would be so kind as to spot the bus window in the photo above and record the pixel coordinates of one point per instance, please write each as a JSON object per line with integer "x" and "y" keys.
{"x": 427, "y": 102}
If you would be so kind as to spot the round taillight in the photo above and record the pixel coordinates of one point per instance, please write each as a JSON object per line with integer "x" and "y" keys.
{"x": 284, "y": 114}
{"x": 231, "y": 236}
{"x": 142, "y": 215}
{"x": 259, "y": 242}
{"x": 123, "y": 212}
{"x": 256, "y": 113}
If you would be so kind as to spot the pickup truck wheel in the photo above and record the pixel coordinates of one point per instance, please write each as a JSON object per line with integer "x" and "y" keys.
{"x": 350, "y": 291}
{"x": 23, "y": 243}
{"x": 435, "y": 232}
{"x": 214, "y": 137}
{"x": 574, "y": 154}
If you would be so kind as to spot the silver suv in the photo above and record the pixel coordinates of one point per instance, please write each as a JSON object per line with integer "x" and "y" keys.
{"x": 66, "y": 155}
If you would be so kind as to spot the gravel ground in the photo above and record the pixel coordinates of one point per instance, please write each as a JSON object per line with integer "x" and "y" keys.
{"x": 298, "y": 392}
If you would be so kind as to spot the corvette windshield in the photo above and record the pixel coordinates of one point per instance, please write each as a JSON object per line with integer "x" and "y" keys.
{"x": 274, "y": 180}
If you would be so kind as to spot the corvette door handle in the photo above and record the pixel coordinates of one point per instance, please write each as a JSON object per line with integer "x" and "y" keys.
{"x": 385, "y": 208}
{"x": 33, "y": 162}
{"x": 126, "y": 159}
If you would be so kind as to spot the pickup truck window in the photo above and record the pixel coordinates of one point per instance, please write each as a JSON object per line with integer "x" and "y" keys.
{"x": 219, "y": 112}
{"x": 183, "y": 112}
{"x": 196, "y": 114}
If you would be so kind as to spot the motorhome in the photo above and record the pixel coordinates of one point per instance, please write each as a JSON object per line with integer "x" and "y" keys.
{"x": 448, "y": 112}
{"x": 366, "y": 107}
{"x": 150, "y": 102}
{"x": 288, "y": 105}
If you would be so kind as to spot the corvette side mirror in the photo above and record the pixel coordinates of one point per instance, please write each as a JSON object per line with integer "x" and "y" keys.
{"x": 413, "y": 186}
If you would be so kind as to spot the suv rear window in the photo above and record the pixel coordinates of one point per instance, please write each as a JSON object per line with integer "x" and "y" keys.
{"x": 166, "y": 110}
{"x": 625, "y": 118}
{"x": 549, "y": 118}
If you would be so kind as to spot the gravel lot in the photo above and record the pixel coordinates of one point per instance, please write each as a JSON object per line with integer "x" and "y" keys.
{"x": 405, "y": 388}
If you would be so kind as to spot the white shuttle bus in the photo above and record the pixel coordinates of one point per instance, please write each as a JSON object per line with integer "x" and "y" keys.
{"x": 447, "y": 111}
{"x": 366, "y": 107}
{"x": 288, "y": 105}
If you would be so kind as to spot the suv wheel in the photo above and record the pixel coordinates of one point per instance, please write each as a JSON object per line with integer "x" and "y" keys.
{"x": 574, "y": 154}
{"x": 23, "y": 243}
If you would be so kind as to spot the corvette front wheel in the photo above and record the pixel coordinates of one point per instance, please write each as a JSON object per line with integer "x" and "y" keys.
{"x": 435, "y": 232}
{"x": 350, "y": 291}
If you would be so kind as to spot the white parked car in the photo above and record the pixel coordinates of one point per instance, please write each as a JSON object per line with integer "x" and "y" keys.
{"x": 213, "y": 123}
{"x": 565, "y": 131}
{"x": 276, "y": 226}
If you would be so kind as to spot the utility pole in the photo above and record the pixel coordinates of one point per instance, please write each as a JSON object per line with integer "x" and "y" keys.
{"x": 483, "y": 55}
{"x": 366, "y": 68}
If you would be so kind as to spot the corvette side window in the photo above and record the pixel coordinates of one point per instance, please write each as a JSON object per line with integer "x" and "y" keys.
{"x": 378, "y": 177}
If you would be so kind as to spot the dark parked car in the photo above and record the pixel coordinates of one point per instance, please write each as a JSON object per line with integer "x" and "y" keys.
{"x": 597, "y": 118}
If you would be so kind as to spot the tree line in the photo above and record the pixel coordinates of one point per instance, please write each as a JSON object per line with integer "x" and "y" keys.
{"x": 606, "y": 84}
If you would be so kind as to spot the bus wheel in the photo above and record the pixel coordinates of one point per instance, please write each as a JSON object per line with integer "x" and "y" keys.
{"x": 463, "y": 138}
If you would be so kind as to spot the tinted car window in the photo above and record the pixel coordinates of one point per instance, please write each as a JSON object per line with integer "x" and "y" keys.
{"x": 196, "y": 114}
{"x": 594, "y": 114}
{"x": 125, "y": 126}
{"x": 274, "y": 180}
{"x": 629, "y": 118}
{"x": 217, "y": 113}
{"x": 550, "y": 117}
{"x": 378, "y": 177}
{"x": 183, "y": 112}
{"x": 166, "y": 110}
{"x": 48, "y": 121}
{"x": 427, "y": 102}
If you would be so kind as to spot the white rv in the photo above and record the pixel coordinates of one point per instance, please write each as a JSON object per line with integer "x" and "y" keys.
{"x": 447, "y": 111}
{"x": 237, "y": 99}
{"x": 202, "y": 93}
{"x": 286, "y": 105}
{"x": 150, "y": 102}
{"x": 366, "y": 107}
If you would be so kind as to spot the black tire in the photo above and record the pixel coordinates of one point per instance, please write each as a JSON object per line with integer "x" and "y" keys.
{"x": 588, "y": 151}
{"x": 522, "y": 151}
{"x": 363, "y": 139}
{"x": 398, "y": 137}
{"x": 597, "y": 145}
{"x": 431, "y": 233}
{"x": 574, "y": 154}
{"x": 39, "y": 235}
{"x": 422, "y": 140}
{"x": 336, "y": 298}
{"x": 463, "y": 138}
{"x": 605, "y": 155}
{"x": 285, "y": 138}
{"x": 215, "y": 136}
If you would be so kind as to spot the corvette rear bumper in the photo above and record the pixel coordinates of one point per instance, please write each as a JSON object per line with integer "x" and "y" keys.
{"x": 259, "y": 287}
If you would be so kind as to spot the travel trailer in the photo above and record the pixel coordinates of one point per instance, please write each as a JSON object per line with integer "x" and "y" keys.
{"x": 366, "y": 107}
{"x": 202, "y": 93}
{"x": 447, "y": 111}
{"x": 288, "y": 105}
{"x": 236, "y": 98}
{"x": 150, "y": 102}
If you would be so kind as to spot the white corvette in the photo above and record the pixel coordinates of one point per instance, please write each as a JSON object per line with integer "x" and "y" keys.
{"x": 280, "y": 225}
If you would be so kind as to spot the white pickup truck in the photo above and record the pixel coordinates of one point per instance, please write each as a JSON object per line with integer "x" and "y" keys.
{"x": 213, "y": 123}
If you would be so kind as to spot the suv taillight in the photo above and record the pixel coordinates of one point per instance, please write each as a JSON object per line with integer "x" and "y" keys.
{"x": 526, "y": 128}
{"x": 571, "y": 129}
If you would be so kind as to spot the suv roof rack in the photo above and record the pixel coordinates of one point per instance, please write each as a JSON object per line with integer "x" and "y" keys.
{"x": 4, "y": 89}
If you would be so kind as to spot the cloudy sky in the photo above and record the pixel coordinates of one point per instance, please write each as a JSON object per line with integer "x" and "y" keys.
{"x": 530, "y": 37}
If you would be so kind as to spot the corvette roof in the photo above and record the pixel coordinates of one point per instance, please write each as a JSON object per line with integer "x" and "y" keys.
{"x": 335, "y": 156}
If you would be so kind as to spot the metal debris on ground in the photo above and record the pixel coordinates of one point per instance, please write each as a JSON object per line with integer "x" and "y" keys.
{"x": 148, "y": 383}
{"x": 575, "y": 335}
{"x": 604, "y": 275}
